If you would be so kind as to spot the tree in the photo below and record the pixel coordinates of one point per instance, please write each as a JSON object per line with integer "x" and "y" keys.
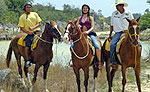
{"x": 148, "y": 1}
{"x": 145, "y": 21}
{"x": 136, "y": 15}
{"x": 3, "y": 9}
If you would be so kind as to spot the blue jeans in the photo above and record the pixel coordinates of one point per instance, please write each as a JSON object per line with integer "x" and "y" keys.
{"x": 28, "y": 40}
{"x": 113, "y": 45}
{"x": 94, "y": 42}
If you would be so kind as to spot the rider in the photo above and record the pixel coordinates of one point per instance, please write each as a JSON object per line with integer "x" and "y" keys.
{"x": 118, "y": 25}
{"x": 88, "y": 21}
{"x": 29, "y": 22}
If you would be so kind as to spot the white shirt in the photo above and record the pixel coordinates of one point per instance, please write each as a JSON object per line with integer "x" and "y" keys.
{"x": 119, "y": 22}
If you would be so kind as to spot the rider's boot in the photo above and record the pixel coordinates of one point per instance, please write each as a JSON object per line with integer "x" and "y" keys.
{"x": 98, "y": 54}
{"x": 28, "y": 62}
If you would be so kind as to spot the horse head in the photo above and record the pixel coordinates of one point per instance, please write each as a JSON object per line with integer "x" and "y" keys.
{"x": 71, "y": 30}
{"x": 134, "y": 30}
{"x": 53, "y": 30}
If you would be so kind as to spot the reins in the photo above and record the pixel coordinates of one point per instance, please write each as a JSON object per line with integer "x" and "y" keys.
{"x": 80, "y": 57}
{"x": 135, "y": 46}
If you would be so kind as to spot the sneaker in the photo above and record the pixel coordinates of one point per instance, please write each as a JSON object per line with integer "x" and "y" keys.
{"x": 28, "y": 63}
{"x": 113, "y": 65}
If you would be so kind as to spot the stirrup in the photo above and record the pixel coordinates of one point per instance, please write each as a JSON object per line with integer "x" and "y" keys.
{"x": 28, "y": 63}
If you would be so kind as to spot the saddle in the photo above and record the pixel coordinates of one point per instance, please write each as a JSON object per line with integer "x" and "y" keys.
{"x": 116, "y": 53}
{"x": 21, "y": 41}
{"x": 92, "y": 46}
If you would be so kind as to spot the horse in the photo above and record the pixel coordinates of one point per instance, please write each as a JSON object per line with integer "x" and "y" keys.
{"x": 41, "y": 56}
{"x": 81, "y": 54}
{"x": 129, "y": 55}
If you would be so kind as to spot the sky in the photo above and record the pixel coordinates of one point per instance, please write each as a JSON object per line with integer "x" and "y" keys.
{"x": 135, "y": 6}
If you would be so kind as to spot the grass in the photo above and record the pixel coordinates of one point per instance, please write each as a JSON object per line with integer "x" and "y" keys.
{"x": 62, "y": 79}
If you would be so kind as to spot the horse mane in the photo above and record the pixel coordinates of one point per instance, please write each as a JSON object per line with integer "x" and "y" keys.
{"x": 53, "y": 23}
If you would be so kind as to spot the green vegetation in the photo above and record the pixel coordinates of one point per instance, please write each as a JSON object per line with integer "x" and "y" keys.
{"x": 48, "y": 12}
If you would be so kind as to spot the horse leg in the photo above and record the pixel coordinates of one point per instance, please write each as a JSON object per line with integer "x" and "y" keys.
{"x": 137, "y": 74}
{"x": 18, "y": 57}
{"x": 94, "y": 77}
{"x": 76, "y": 71}
{"x": 27, "y": 74}
{"x": 112, "y": 74}
{"x": 46, "y": 66}
{"x": 86, "y": 77}
{"x": 37, "y": 66}
{"x": 124, "y": 78}
{"x": 108, "y": 75}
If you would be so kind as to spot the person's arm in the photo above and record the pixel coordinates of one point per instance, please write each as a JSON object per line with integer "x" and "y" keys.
{"x": 92, "y": 26}
{"x": 25, "y": 31}
{"x": 111, "y": 30}
{"x": 36, "y": 26}
{"x": 77, "y": 23}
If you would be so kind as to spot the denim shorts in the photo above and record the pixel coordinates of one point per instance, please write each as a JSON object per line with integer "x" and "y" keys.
{"x": 28, "y": 40}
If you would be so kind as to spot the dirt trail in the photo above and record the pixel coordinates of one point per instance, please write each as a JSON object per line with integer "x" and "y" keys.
{"x": 145, "y": 82}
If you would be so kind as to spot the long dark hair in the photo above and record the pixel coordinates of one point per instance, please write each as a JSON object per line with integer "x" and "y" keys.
{"x": 88, "y": 13}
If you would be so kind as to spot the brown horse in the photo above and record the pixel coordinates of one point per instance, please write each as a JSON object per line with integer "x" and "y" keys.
{"x": 129, "y": 55}
{"x": 81, "y": 54}
{"x": 41, "y": 56}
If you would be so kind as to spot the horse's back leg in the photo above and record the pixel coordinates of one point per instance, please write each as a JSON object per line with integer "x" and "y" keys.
{"x": 37, "y": 66}
{"x": 76, "y": 71}
{"x": 95, "y": 68}
{"x": 137, "y": 74}
{"x": 45, "y": 69}
{"x": 18, "y": 57}
{"x": 86, "y": 77}
{"x": 123, "y": 69}
{"x": 108, "y": 75}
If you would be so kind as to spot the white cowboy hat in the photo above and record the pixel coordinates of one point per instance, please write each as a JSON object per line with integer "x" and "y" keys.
{"x": 117, "y": 2}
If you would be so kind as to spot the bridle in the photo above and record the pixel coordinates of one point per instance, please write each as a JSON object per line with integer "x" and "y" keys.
{"x": 71, "y": 33}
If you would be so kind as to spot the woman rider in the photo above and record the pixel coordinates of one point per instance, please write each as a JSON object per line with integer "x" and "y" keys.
{"x": 88, "y": 21}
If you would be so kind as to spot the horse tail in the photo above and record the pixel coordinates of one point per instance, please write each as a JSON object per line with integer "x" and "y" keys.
{"x": 9, "y": 53}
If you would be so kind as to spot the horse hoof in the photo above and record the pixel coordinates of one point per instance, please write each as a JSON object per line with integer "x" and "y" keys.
{"x": 46, "y": 90}
{"x": 95, "y": 91}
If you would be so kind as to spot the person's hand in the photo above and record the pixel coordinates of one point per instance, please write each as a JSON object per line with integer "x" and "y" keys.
{"x": 86, "y": 32}
{"x": 31, "y": 32}
{"x": 31, "y": 28}
{"x": 109, "y": 38}
{"x": 79, "y": 26}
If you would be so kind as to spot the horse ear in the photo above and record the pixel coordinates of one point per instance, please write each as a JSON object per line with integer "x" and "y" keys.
{"x": 138, "y": 19}
{"x": 46, "y": 24}
{"x": 128, "y": 20}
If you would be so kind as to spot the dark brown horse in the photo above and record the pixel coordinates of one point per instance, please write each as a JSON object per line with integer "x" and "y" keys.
{"x": 41, "y": 56}
{"x": 81, "y": 53}
{"x": 129, "y": 55}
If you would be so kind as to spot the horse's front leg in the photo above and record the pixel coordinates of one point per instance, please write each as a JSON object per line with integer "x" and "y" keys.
{"x": 37, "y": 66}
{"x": 76, "y": 71}
{"x": 86, "y": 77}
{"x": 124, "y": 78}
{"x": 137, "y": 74}
{"x": 45, "y": 69}
{"x": 108, "y": 75}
